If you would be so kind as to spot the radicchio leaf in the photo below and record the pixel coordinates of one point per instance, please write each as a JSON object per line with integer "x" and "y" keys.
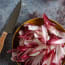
{"x": 51, "y": 27}
{"x": 40, "y": 45}
{"x": 45, "y": 34}
{"x": 32, "y": 27}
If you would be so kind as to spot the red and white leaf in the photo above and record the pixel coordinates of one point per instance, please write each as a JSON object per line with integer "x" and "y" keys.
{"x": 20, "y": 32}
{"x": 33, "y": 28}
{"x": 59, "y": 41}
{"x": 45, "y": 34}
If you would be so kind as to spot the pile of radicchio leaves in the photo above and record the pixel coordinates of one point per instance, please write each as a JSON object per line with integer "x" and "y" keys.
{"x": 40, "y": 45}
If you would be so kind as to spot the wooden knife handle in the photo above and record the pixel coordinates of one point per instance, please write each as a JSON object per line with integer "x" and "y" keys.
{"x": 2, "y": 39}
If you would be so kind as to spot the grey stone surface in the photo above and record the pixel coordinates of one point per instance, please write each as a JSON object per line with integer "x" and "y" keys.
{"x": 6, "y": 7}
{"x": 50, "y": 7}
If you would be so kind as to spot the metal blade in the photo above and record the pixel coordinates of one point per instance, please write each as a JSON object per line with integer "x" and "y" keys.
{"x": 9, "y": 26}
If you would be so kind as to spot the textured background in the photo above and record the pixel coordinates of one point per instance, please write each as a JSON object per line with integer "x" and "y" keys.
{"x": 55, "y": 9}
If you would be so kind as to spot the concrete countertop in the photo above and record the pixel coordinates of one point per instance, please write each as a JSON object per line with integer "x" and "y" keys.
{"x": 28, "y": 7}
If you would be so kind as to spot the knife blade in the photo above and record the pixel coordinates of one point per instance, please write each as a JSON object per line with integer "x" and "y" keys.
{"x": 9, "y": 26}
{"x": 12, "y": 19}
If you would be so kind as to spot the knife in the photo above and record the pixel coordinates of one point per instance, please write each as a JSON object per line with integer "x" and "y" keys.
{"x": 9, "y": 26}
